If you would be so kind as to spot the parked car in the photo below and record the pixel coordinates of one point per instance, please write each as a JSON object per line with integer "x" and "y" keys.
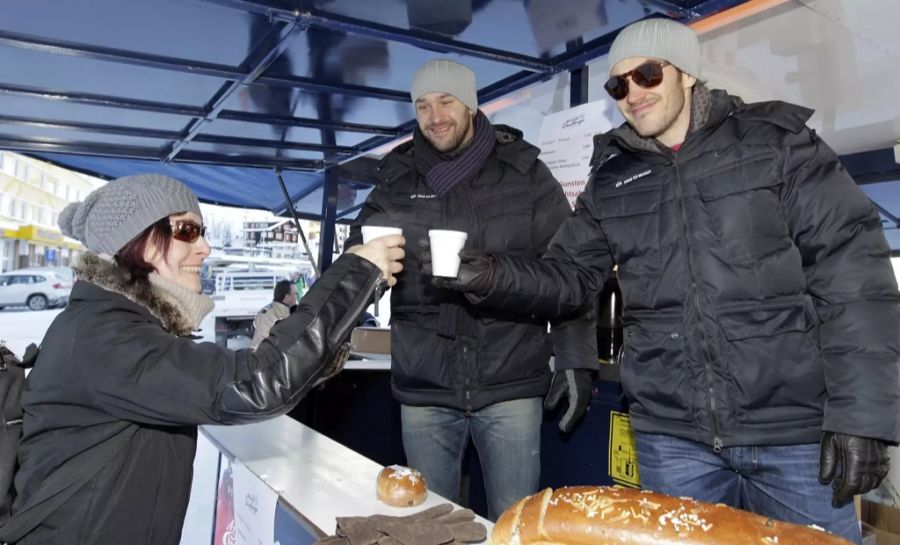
{"x": 36, "y": 288}
{"x": 65, "y": 273}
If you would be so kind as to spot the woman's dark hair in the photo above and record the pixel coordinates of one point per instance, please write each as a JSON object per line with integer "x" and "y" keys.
{"x": 131, "y": 256}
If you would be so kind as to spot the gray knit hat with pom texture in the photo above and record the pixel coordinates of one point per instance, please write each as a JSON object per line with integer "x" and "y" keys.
{"x": 119, "y": 211}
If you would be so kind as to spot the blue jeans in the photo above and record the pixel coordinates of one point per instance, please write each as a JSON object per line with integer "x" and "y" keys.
{"x": 780, "y": 482}
{"x": 507, "y": 436}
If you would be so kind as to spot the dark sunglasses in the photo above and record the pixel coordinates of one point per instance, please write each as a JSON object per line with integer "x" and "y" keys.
{"x": 647, "y": 75}
{"x": 187, "y": 230}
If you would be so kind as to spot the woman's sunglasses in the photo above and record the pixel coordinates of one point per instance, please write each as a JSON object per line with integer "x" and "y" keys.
{"x": 187, "y": 230}
{"x": 647, "y": 75}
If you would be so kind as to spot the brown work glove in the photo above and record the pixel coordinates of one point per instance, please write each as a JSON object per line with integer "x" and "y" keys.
{"x": 438, "y": 525}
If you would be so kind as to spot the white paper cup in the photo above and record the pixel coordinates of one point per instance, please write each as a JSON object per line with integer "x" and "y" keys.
{"x": 370, "y": 232}
{"x": 445, "y": 247}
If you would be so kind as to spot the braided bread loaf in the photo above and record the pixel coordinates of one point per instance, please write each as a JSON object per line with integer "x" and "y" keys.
{"x": 599, "y": 515}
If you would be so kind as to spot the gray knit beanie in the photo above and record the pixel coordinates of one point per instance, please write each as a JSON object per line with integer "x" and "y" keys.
{"x": 119, "y": 211}
{"x": 660, "y": 39}
{"x": 446, "y": 76}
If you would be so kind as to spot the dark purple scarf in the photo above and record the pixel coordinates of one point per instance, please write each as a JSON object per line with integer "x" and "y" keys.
{"x": 443, "y": 171}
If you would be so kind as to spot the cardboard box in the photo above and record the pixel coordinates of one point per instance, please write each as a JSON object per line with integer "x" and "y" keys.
{"x": 869, "y": 537}
{"x": 371, "y": 340}
{"x": 883, "y": 520}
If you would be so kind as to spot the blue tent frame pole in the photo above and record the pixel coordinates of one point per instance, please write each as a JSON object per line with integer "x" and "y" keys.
{"x": 578, "y": 79}
{"x": 329, "y": 218}
{"x": 99, "y": 128}
{"x": 290, "y": 208}
{"x": 108, "y": 101}
{"x": 256, "y": 63}
{"x": 15, "y": 143}
{"x": 418, "y": 38}
{"x": 884, "y": 212}
{"x": 189, "y": 66}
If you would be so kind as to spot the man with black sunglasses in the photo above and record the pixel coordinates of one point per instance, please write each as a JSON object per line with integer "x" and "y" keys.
{"x": 760, "y": 307}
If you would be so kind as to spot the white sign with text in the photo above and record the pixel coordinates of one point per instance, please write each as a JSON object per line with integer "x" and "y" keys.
{"x": 254, "y": 508}
{"x": 566, "y": 142}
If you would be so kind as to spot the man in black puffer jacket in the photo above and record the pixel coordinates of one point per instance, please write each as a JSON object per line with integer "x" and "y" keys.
{"x": 459, "y": 370}
{"x": 760, "y": 307}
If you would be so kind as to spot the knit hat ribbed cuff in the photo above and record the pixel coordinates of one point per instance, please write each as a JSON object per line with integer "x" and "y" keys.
{"x": 446, "y": 76}
{"x": 659, "y": 39}
{"x": 114, "y": 214}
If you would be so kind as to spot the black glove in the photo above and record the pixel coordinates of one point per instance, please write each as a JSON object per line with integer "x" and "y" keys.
{"x": 476, "y": 270}
{"x": 576, "y": 384}
{"x": 855, "y": 464}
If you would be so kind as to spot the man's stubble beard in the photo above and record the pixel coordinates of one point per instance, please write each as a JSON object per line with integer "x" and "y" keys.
{"x": 457, "y": 142}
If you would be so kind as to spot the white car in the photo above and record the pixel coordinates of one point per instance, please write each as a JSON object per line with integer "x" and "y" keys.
{"x": 38, "y": 289}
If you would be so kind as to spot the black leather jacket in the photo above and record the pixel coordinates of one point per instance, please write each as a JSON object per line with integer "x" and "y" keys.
{"x": 113, "y": 360}
{"x": 760, "y": 306}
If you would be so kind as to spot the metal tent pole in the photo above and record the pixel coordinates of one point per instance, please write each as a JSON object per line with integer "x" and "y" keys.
{"x": 290, "y": 207}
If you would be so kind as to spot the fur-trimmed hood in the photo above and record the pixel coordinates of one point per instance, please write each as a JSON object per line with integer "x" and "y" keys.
{"x": 154, "y": 298}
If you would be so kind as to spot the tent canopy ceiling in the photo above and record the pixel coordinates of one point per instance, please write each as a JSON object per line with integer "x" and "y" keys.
{"x": 221, "y": 93}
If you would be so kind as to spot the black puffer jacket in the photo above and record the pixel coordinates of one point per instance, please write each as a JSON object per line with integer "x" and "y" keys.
{"x": 445, "y": 351}
{"x": 112, "y": 363}
{"x": 760, "y": 302}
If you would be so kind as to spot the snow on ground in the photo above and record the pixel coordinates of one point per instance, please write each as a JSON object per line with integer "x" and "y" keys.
{"x": 20, "y": 326}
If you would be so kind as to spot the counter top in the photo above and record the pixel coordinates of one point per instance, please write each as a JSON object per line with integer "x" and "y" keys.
{"x": 320, "y": 478}
{"x": 607, "y": 371}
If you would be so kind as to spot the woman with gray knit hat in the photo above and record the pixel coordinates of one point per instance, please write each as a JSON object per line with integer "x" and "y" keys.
{"x": 118, "y": 390}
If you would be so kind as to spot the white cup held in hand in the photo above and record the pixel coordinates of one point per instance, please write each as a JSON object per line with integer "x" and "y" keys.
{"x": 370, "y": 232}
{"x": 445, "y": 247}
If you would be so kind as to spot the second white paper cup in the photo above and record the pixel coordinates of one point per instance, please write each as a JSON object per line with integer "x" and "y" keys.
{"x": 445, "y": 247}
{"x": 370, "y": 232}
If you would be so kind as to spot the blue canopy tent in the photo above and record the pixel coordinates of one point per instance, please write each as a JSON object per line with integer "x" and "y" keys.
{"x": 222, "y": 93}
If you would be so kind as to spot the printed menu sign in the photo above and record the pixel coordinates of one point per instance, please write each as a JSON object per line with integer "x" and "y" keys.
{"x": 566, "y": 142}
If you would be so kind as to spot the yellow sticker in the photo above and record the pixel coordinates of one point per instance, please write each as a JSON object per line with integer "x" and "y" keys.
{"x": 623, "y": 466}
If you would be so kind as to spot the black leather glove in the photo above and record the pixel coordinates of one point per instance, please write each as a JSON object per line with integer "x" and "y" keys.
{"x": 576, "y": 384}
{"x": 854, "y": 464}
{"x": 476, "y": 271}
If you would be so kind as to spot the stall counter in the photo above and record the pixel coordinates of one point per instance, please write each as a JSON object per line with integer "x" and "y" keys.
{"x": 317, "y": 477}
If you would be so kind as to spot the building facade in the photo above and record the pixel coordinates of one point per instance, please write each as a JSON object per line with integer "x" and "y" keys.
{"x": 32, "y": 194}
{"x": 275, "y": 238}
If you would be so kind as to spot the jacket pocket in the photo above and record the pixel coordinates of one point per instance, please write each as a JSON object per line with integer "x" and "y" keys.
{"x": 407, "y": 208}
{"x": 418, "y": 359}
{"x": 743, "y": 202}
{"x": 736, "y": 176}
{"x": 774, "y": 361}
{"x": 654, "y": 372}
{"x": 505, "y": 220}
{"x": 766, "y": 321}
{"x": 512, "y": 351}
{"x": 516, "y": 199}
{"x": 630, "y": 220}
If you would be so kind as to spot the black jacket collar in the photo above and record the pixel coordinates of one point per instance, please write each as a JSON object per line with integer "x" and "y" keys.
{"x": 511, "y": 149}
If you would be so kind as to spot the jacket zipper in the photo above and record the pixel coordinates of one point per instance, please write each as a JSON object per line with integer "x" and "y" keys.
{"x": 466, "y": 384}
{"x": 695, "y": 293}
{"x": 357, "y": 306}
